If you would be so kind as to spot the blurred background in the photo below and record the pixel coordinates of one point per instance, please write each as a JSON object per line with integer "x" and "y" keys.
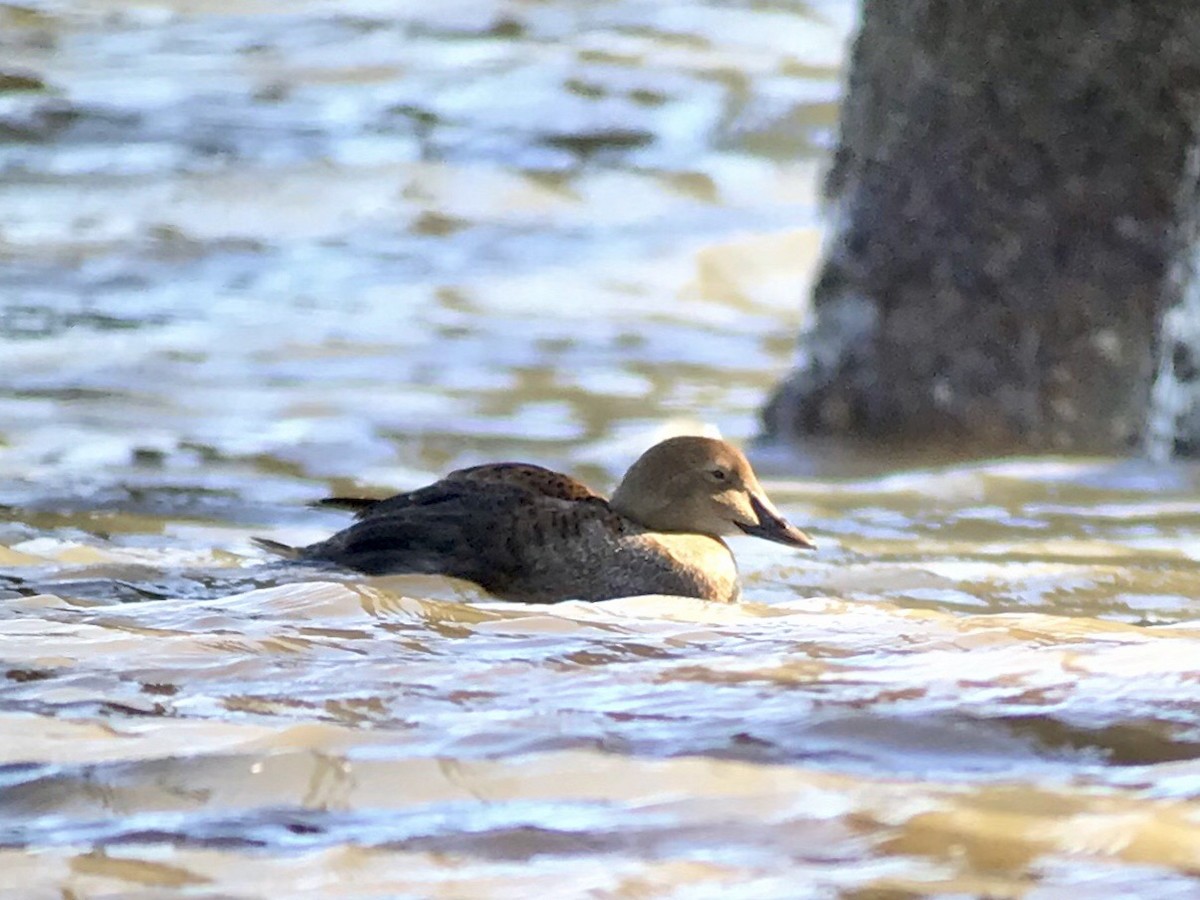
{"x": 336, "y": 240}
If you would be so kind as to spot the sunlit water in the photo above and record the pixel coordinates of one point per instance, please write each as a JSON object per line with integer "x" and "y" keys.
{"x": 253, "y": 253}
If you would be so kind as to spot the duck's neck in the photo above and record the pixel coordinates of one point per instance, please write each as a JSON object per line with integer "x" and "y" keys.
{"x": 626, "y": 502}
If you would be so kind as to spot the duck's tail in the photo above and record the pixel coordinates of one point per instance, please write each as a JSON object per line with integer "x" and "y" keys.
{"x": 284, "y": 550}
{"x": 356, "y": 505}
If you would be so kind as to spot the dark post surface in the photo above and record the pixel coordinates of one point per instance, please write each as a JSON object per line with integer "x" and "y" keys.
{"x": 1013, "y": 204}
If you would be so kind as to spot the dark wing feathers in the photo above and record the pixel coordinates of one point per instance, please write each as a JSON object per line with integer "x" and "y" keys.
{"x": 483, "y": 531}
{"x": 360, "y": 506}
{"x": 535, "y": 479}
{"x": 420, "y": 540}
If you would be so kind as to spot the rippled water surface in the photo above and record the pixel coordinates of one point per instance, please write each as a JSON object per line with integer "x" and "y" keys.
{"x": 253, "y": 253}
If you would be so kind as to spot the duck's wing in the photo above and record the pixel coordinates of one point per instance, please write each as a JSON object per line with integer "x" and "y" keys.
{"x": 490, "y": 532}
{"x": 535, "y": 479}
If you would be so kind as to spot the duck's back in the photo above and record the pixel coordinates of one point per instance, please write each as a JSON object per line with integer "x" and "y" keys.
{"x": 535, "y": 479}
{"x": 529, "y": 534}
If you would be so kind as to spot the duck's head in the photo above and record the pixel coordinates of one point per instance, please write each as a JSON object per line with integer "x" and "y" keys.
{"x": 705, "y": 486}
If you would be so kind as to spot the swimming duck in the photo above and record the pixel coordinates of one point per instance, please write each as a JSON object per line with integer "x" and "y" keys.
{"x": 530, "y": 534}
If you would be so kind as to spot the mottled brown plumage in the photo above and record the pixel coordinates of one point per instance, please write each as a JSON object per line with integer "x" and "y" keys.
{"x": 537, "y": 479}
{"x": 527, "y": 533}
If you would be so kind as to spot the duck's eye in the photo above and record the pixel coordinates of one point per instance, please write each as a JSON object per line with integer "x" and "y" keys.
{"x": 718, "y": 474}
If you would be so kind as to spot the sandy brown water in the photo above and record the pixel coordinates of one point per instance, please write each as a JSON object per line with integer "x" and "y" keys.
{"x": 254, "y": 253}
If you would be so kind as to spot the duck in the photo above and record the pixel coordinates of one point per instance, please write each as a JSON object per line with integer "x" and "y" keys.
{"x": 530, "y": 534}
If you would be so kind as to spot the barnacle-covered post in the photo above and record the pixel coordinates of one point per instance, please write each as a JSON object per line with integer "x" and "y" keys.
{"x": 1012, "y": 238}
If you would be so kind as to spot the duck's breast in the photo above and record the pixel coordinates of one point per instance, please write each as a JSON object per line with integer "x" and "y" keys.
{"x": 600, "y": 560}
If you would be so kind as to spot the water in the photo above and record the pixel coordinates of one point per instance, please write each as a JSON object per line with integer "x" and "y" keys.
{"x": 256, "y": 253}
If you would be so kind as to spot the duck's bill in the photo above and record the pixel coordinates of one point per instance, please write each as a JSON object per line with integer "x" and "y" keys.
{"x": 773, "y": 527}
